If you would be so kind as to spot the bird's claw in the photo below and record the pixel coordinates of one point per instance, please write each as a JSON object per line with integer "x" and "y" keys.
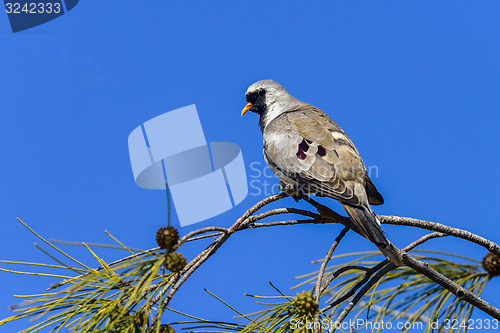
{"x": 291, "y": 191}
{"x": 288, "y": 189}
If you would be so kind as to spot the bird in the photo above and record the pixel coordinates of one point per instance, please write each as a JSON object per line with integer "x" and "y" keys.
{"x": 310, "y": 153}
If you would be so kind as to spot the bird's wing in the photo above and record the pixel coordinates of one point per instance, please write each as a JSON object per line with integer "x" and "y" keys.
{"x": 311, "y": 149}
{"x": 374, "y": 197}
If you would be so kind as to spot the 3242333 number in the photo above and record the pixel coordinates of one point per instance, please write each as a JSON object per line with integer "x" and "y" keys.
{"x": 33, "y": 8}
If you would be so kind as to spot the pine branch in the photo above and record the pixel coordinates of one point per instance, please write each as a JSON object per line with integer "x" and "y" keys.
{"x": 460, "y": 292}
{"x": 163, "y": 291}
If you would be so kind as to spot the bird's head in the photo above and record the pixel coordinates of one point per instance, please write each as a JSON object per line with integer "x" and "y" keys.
{"x": 261, "y": 95}
{"x": 268, "y": 99}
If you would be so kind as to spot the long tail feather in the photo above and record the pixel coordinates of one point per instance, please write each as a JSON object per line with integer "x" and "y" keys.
{"x": 369, "y": 226}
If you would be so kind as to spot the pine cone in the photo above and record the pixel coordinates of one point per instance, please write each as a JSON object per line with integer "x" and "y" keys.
{"x": 140, "y": 318}
{"x": 491, "y": 263}
{"x": 167, "y": 237}
{"x": 304, "y": 304}
{"x": 175, "y": 262}
{"x": 166, "y": 329}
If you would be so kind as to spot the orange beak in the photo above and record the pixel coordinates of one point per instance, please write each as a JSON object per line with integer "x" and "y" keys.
{"x": 246, "y": 108}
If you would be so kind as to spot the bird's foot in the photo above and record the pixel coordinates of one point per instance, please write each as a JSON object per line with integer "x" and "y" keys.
{"x": 288, "y": 189}
{"x": 330, "y": 214}
{"x": 291, "y": 191}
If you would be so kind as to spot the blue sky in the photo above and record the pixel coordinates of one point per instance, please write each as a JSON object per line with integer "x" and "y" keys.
{"x": 415, "y": 85}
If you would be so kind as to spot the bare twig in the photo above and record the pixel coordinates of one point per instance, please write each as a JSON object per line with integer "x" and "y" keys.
{"x": 358, "y": 285}
{"x": 423, "y": 239}
{"x": 188, "y": 237}
{"x": 277, "y": 211}
{"x": 289, "y": 222}
{"x": 328, "y": 256}
{"x": 317, "y": 289}
{"x": 341, "y": 270}
{"x": 390, "y": 266}
{"x": 433, "y": 226}
{"x": 261, "y": 225}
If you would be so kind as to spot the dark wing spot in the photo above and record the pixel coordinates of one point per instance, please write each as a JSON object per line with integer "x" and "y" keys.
{"x": 304, "y": 146}
{"x": 321, "y": 151}
{"x": 300, "y": 154}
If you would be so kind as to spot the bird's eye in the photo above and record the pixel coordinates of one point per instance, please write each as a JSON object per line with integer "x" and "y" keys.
{"x": 262, "y": 92}
{"x": 252, "y": 97}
